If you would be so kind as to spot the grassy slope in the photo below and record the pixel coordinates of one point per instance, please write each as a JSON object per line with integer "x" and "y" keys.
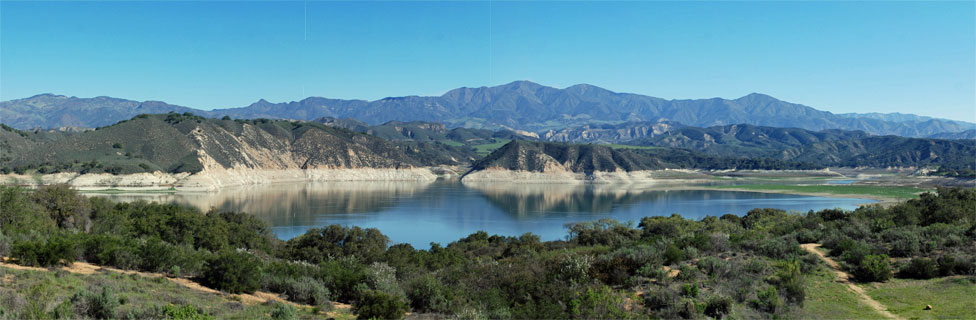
{"x": 829, "y": 299}
{"x": 879, "y": 191}
{"x": 485, "y": 149}
{"x": 951, "y": 298}
{"x": 50, "y": 288}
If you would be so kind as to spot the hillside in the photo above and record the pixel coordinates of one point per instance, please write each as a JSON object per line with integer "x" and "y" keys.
{"x": 525, "y": 160}
{"x": 520, "y": 105}
{"x": 825, "y": 148}
{"x": 186, "y": 143}
{"x": 543, "y": 157}
{"x": 611, "y": 133}
{"x": 888, "y": 151}
{"x": 745, "y": 140}
{"x": 968, "y": 134}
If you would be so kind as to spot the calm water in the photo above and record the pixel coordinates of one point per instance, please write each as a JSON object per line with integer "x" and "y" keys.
{"x": 419, "y": 213}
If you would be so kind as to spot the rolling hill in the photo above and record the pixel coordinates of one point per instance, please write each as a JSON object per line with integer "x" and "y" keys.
{"x": 186, "y": 143}
{"x": 827, "y": 147}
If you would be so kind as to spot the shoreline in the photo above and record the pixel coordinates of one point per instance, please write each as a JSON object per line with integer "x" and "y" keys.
{"x": 215, "y": 180}
{"x": 882, "y": 200}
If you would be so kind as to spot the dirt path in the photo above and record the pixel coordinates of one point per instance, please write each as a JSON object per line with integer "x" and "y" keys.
{"x": 844, "y": 277}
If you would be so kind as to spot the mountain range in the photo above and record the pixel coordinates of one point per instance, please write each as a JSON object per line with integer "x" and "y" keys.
{"x": 520, "y": 105}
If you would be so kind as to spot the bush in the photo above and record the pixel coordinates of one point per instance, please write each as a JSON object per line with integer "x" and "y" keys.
{"x": 54, "y": 250}
{"x": 380, "y": 276}
{"x": 767, "y": 300}
{"x": 379, "y": 305}
{"x": 873, "y": 268}
{"x": 673, "y": 255}
{"x": 234, "y": 272}
{"x": 111, "y": 251}
{"x": 304, "y": 290}
{"x": 597, "y": 303}
{"x": 660, "y": 299}
{"x": 428, "y": 294}
{"x": 952, "y": 265}
{"x": 605, "y": 231}
{"x": 920, "y": 268}
{"x": 718, "y": 307}
{"x": 182, "y": 312}
{"x": 283, "y": 311}
{"x": 159, "y": 256}
{"x": 99, "y": 305}
{"x": 67, "y": 208}
{"x": 690, "y": 290}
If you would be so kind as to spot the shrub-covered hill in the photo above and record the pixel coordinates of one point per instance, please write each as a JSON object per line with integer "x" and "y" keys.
{"x": 187, "y": 143}
{"x": 587, "y": 158}
{"x": 826, "y": 148}
{"x": 749, "y": 266}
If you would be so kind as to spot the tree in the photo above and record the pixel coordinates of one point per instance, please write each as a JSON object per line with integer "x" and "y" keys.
{"x": 234, "y": 272}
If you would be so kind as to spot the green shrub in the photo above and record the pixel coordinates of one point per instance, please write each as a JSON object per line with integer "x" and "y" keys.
{"x": 851, "y": 251}
{"x": 873, "y": 268}
{"x": 767, "y": 300}
{"x": 380, "y": 276}
{"x": 605, "y": 231}
{"x": 673, "y": 255}
{"x": 234, "y": 272}
{"x": 597, "y": 303}
{"x": 660, "y": 299}
{"x": 379, "y": 305}
{"x": 111, "y": 251}
{"x": 304, "y": 290}
{"x": 57, "y": 249}
{"x": 184, "y": 312}
{"x": 956, "y": 264}
{"x": 920, "y": 268}
{"x": 690, "y": 290}
{"x": 718, "y": 307}
{"x": 155, "y": 255}
{"x": 283, "y": 311}
{"x": 100, "y": 305}
{"x": 317, "y": 245}
{"x": 428, "y": 294}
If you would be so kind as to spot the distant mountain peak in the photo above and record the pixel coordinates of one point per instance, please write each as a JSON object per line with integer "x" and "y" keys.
{"x": 757, "y": 96}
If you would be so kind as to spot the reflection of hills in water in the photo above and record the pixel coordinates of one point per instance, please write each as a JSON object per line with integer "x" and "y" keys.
{"x": 539, "y": 199}
{"x": 295, "y": 204}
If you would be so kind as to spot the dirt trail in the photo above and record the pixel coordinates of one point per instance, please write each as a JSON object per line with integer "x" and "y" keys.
{"x": 844, "y": 277}
{"x": 88, "y": 268}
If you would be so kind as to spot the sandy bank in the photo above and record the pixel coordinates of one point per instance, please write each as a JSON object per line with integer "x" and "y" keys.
{"x": 214, "y": 180}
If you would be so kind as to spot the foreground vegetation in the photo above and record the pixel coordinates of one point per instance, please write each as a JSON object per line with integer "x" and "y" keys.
{"x": 665, "y": 267}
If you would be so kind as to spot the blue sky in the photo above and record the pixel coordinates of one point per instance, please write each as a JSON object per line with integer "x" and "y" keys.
{"x": 910, "y": 57}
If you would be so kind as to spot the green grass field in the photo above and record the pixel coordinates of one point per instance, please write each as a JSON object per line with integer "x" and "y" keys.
{"x": 829, "y": 299}
{"x": 879, "y": 191}
{"x": 951, "y": 297}
{"x": 452, "y": 143}
{"x": 485, "y": 149}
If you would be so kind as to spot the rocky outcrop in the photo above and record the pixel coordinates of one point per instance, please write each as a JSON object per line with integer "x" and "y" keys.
{"x": 608, "y": 133}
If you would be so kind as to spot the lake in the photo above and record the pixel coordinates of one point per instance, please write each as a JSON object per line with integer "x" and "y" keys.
{"x": 421, "y": 213}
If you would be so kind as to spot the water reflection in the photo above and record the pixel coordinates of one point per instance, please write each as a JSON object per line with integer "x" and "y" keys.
{"x": 420, "y": 213}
